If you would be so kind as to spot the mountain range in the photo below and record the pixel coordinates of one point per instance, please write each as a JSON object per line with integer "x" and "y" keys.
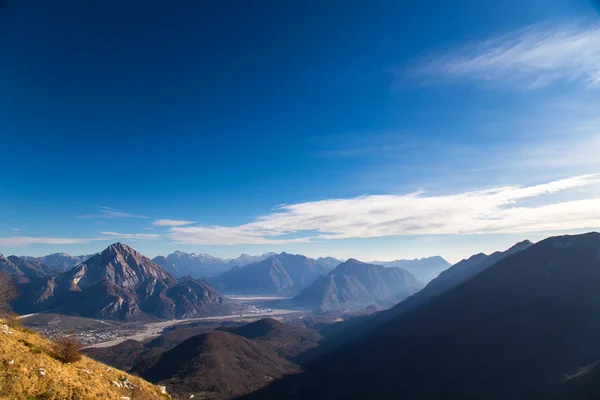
{"x": 115, "y": 289}
{"x": 354, "y": 284}
{"x": 202, "y": 265}
{"x": 23, "y": 268}
{"x": 524, "y": 327}
{"x": 60, "y": 261}
{"x": 280, "y": 274}
{"x": 199, "y": 265}
{"x": 520, "y": 324}
{"x": 424, "y": 269}
{"x": 123, "y": 284}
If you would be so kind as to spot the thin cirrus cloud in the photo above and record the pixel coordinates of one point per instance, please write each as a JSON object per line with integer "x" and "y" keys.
{"x": 118, "y": 235}
{"x": 510, "y": 209}
{"x": 529, "y": 58}
{"x": 171, "y": 222}
{"x": 15, "y": 241}
{"x": 110, "y": 213}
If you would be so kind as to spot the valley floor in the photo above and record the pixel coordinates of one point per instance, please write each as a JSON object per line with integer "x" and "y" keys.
{"x": 156, "y": 328}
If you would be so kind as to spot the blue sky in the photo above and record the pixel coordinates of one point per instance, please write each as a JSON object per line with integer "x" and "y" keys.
{"x": 375, "y": 130}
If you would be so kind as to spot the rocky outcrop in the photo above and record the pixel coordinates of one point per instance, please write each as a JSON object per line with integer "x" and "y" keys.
{"x": 121, "y": 283}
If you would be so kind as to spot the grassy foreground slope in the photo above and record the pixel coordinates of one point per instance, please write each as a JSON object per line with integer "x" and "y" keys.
{"x": 27, "y": 371}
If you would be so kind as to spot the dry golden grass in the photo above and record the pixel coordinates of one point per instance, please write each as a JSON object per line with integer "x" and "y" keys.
{"x": 25, "y": 355}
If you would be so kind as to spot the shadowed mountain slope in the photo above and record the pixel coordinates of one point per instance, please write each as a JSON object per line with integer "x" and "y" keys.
{"x": 512, "y": 331}
{"x": 215, "y": 364}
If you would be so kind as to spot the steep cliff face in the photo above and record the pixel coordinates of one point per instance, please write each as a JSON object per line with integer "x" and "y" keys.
{"x": 122, "y": 283}
{"x": 119, "y": 264}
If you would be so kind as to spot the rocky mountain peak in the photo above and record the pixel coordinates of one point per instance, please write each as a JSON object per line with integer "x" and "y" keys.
{"x": 122, "y": 283}
{"x": 351, "y": 264}
{"x": 8, "y": 267}
{"x": 120, "y": 248}
{"x": 355, "y": 284}
{"x": 520, "y": 246}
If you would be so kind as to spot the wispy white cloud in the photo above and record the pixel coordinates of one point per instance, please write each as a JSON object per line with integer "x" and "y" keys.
{"x": 508, "y": 209}
{"x": 529, "y": 58}
{"x": 110, "y": 213}
{"x": 14, "y": 241}
{"x": 15, "y": 230}
{"x": 118, "y": 235}
{"x": 26, "y": 240}
{"x": 171, "y": 222}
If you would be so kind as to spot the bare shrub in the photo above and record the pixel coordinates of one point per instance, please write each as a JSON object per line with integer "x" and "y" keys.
{"x": 8, "y": 292}
{"x": 67, "y": 349}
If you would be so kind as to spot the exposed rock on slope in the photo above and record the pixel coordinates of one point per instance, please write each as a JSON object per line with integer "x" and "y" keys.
{"x": 357, "y": 284}
{"x": 121, "y": 283}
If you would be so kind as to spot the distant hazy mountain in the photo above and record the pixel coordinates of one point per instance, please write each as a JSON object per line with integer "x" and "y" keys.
{"x": 424, "y": 269}
{"x": 282, "y": 274}
{"x": 190, "y": 264}
{"x": 525, "y": 327}
{"x": 182, "y": 264}
{"x": 246, "y": 259}
{"x": 357, "y": 284}
{"x": 122, "y": 283}
{"x": 328, "y": 263}
{"x": 61, "y": 261}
